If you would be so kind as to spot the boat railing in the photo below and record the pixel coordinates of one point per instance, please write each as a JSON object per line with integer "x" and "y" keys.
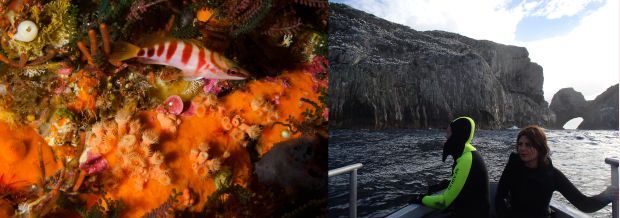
{"x": 352, "y": 170}
{"x": 613, "y": 162}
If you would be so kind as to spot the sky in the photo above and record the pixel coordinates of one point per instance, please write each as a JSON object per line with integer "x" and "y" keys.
{"x": 575, "y": 41}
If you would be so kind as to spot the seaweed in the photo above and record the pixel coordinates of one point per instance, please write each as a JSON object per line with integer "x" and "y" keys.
{"x": 105, "y": 207}
{"x": 57, "y": 32}
{"x": 164, "y": 208}
{"x": 236, "y": 195}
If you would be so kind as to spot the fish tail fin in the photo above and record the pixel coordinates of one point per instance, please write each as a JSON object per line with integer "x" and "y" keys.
{"x": 124, "y": 51}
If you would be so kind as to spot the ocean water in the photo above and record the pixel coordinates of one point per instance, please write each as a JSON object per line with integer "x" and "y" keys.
{"x": 400, "y": 162}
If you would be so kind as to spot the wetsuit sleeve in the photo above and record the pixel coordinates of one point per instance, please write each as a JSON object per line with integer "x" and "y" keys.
{"x": 459, "y": 176}
{"x": 575, "y": 197}
{"x": 503, "y": 187}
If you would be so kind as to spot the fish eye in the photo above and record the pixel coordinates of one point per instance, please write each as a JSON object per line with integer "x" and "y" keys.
{"x": 233, "y": 70}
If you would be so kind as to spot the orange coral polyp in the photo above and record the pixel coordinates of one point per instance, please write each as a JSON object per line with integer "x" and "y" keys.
{"x": 129, "y": 171}
{"x": 87, "y": 92}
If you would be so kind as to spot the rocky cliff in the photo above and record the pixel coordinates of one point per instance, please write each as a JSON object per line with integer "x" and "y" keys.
{"x": 600, "y": 113}
{"x": 567, "y": 104}
{"x": 385, "y": 75}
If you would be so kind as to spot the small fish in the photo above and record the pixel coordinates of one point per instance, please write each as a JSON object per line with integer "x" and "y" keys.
{"x": 195, "y": 61}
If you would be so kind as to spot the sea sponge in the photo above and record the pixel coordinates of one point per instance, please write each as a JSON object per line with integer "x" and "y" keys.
{"x": 168, "y": 122}
{"x": 12, "y": 150}
{"x": 257, "y": 103}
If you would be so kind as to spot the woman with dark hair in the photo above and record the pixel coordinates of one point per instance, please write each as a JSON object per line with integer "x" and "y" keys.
{"x": 529, "y": 180}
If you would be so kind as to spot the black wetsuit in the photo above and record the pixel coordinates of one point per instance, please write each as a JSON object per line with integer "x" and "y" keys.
{"x": 473, "y": 201}
{"x": 468, "y": 192}
{"x": 528, "y": 191}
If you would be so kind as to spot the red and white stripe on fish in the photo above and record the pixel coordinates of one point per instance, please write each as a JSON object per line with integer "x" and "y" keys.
{"x": 195, "y": 62}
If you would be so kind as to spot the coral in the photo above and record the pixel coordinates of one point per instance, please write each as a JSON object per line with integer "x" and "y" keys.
{"x": 253, "y": 131}
{"x": 149, "y": 137}
{"x": 202, "y": 164}
{"x": 132, "y": 154}
{"x": 122, "y": 119}
{"x": 123, "y": 143}
{"x": 169, "y": 122}
{"x": 62, "y": 129}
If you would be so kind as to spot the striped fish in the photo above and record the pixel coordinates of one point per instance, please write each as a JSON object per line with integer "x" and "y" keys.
{"x": 195, "y": 61}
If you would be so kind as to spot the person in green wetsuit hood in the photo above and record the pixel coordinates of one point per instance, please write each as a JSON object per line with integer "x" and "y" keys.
{"x": 467, "y": 193}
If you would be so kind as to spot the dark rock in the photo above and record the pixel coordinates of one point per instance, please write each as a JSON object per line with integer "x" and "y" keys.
{"x": 602, "y": 112}
{"x": 298, "y": 164}
{"x": 385, "y": 75}
{"x": 567, "y": 104}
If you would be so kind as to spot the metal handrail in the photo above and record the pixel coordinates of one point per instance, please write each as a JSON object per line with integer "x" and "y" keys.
{"x": 613, "y": 162}
{"x": 352, "y": 183}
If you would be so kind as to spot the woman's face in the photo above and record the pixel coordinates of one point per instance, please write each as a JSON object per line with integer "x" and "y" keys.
{"x": 526, "y": 151}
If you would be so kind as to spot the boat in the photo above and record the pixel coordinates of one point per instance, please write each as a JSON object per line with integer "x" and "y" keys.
{"x": 559, "y": 210}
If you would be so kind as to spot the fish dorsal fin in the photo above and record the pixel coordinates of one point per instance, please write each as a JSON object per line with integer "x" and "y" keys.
{"x": 158, "y": 37}
{"x": 153, "y": 39}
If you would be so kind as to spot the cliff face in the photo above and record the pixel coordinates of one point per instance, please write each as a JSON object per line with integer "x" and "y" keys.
{"x": 385, "y": 75}
{"x": 567, "y": 104}
{"x": 602, "y": 112}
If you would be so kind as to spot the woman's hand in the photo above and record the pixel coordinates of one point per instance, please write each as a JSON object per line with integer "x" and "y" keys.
{"x": 612, "y": 192}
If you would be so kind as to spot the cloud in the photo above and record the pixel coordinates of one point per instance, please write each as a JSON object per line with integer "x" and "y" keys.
{"x": 479, "y": 19}
{"x": 555, "y": 9}
{"x": 585, "y": 58}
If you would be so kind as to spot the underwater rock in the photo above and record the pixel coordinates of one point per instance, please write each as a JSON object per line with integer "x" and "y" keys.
{"x": 299, "y": 163}
{"x": 388, "y": 75}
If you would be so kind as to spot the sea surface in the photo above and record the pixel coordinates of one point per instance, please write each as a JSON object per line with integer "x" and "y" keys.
{"x": 400, "y": 162}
